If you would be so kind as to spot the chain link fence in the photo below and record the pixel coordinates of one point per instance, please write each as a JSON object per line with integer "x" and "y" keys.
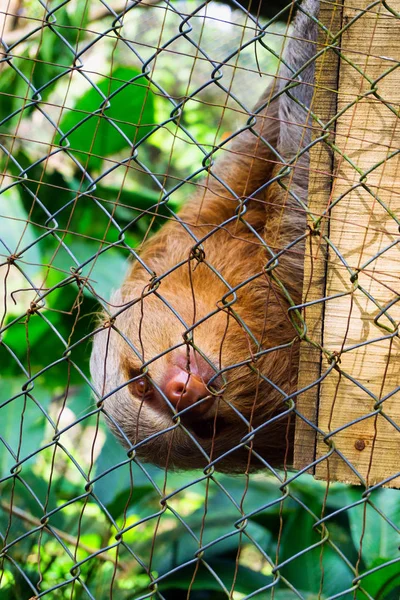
{"x": 111, "y": 117}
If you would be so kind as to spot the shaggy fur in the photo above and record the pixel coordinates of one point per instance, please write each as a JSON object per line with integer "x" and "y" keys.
{"x": 230, "y": 330}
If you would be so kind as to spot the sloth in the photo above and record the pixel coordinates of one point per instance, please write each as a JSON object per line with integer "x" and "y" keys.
{"x": 197, "y": 366}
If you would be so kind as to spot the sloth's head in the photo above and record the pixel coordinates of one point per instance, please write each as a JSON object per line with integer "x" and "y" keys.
{"x": 187, "y": 381}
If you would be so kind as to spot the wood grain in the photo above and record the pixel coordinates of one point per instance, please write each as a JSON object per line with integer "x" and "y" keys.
{"x": 363, "y": 262}
{"x": 321, "y": 165}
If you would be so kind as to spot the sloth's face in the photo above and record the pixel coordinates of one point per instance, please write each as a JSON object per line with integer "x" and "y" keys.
{"x": 180, "y": 378}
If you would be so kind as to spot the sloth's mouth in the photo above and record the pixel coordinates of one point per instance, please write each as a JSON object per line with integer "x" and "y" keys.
{"x": 208, "y": 428}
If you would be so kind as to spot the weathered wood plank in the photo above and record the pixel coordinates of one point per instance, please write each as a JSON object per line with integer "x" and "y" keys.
{"x": 325, "y": 107}
{"x": 365, "y": 429}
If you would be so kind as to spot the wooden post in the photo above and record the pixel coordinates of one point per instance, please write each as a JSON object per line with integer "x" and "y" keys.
{"x": 358, "y": 401}
{"x": 324, "y": 107}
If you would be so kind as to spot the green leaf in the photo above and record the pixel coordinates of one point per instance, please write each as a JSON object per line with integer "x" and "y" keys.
{"x": 106, "y": 271}
{"x": 383, "y": 581}
{"x": 184, "y": 547}
{"x": 115, "y": 488}
{"x": 21, "y": 90}
{"x": 130, "y": 113}
{"x": 137, "y": 199}
{"x": 37, "y": 341}
{"x": 304, "y": 572}
{"x": 18, "y": 490}
{"x": 17, "y": 233}
{"x": 24, "y": 434}
{"x": 20, "y": 334}
{"x": 247, "y": 581}
{"x": 380, "y": 537}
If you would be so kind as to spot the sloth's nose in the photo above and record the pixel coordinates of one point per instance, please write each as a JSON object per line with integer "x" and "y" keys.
{"x": 184, "y": 389}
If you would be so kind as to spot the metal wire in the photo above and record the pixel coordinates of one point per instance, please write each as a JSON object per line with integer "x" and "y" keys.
{"x": 110, "y": 115}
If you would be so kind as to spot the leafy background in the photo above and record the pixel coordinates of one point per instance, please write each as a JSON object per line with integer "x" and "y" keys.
{"x": 89, "y": 153}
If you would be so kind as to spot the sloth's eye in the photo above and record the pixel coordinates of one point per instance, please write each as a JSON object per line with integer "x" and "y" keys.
{"x": 141, "y": 386}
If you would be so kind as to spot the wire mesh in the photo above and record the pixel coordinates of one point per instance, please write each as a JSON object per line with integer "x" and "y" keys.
{"x": 112, "y": 116}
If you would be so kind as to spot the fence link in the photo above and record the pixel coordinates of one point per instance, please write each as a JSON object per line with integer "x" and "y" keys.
{"x": 112, "y": 116}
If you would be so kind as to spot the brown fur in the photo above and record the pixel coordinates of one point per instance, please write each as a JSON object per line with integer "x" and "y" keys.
{"x": 246, "y": 336}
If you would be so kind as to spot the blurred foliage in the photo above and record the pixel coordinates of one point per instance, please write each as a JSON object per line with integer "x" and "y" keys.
{"x": 87, "y": 173}
{"x": 95, "y": 133}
